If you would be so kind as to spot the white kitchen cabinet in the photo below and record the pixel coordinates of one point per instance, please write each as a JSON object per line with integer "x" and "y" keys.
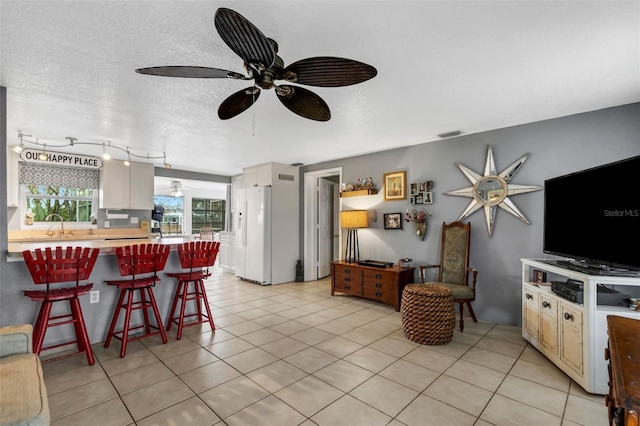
{"x": 141, "y": 189}
{"x": 573, "y": 336}
{"x": 126, "y": 187}
{"x": 267, "y": 174}
{"x": 225, "y": 254}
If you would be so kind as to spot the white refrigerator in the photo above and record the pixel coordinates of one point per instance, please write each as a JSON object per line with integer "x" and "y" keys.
{"x": 253, "y": 234}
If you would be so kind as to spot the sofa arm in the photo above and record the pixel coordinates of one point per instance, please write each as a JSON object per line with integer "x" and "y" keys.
{"x": 15, "y": 339}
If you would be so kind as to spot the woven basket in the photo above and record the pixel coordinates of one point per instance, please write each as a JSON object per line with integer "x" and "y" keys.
{"x": 428, "y": 316}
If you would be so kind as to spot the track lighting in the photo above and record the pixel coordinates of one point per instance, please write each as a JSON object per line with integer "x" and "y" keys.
{"x": 73, "y": 142}
{"x": 43, "y": 155}
{"x": 19, "y": 148}
{"x": 105, "y": 155}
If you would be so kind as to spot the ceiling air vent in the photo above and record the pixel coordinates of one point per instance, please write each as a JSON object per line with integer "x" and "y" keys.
{"x": 450, "y": 134}
{"x": 282, "y": 176}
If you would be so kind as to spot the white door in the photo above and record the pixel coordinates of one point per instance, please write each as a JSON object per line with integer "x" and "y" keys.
{"x": 325, "y": 228}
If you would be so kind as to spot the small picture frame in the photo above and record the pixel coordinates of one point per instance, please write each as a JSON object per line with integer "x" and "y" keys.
{"x": 413, "y": 188}
{"x": 429, "y": 185}
{"x": 539, "y": 277}
{"x": 393, "y": 221}
{"x": 412, "y": 200}
{"x": 422, "y": 187}
{"x": 420, "y": 198}
{"x": 427, "y": 198}
{"x": 395, "y": 186}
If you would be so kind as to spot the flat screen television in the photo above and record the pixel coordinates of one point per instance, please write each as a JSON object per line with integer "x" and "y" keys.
{"x": 593, "y": 217}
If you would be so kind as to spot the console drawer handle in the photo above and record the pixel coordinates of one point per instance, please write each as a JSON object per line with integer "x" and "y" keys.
{"x": 378, "y": 285}
{"x": 347, "y": 271}
{"x": 568, "y": 316}
{"x": 347, "y": 279}
{"x": 378, "y": 294}
{"x": 529, "y": 296}
{"x": 546, "y": 304}
{"x": 347, "y": 287}
{"x": 378, "y": 276}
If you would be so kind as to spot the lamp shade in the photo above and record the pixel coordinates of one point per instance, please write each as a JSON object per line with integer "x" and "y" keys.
{"x": 351, "y": 219}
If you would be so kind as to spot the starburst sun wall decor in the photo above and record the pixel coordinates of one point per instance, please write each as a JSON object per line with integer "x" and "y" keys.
{"x": 493, "y": 190}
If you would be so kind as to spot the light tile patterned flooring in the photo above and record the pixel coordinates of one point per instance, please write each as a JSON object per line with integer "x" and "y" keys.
{"x": 291, "y": 354}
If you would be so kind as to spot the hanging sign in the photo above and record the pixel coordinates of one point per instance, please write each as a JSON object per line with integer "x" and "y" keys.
{"x": 60, "y": 159}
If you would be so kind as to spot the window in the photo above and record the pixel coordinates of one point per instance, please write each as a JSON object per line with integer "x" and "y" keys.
{"x": 72, "y": 204}
{"x": 207, "y": 212}
{"x": 173, "y": 210}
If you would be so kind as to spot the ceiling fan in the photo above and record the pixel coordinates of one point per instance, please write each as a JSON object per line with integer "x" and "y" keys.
{"x": 264, "y": 66}
{"x": 175, "y": 188}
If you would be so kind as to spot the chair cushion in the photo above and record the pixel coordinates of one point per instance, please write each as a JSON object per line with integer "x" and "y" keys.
{"x": 23, "y": 396}
{"x": 457, "y": 291}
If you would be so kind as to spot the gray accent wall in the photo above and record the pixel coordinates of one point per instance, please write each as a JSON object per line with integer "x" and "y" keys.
{"x": 555, "y": 147}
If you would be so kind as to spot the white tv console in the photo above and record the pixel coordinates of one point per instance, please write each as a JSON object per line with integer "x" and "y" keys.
{"x": 573, "y": 336}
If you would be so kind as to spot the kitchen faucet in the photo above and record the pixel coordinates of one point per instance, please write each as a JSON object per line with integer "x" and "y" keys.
{"x": 46, "y": 219}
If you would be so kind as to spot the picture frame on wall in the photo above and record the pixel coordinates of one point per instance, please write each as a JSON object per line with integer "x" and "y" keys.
{"x": 422, "y": 187}
{"x": 419, "y": 199}
{"x": 395, "y": 186}
{"x": 429, "y": 185}
{"x": 413, "y": 188}
{"x": 412, "y": 200}
{"x": 427, "y": 198}
{"x": 393, "y": 221}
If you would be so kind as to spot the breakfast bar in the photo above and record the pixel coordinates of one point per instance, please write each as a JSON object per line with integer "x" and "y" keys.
{"x": 96, "y": 315}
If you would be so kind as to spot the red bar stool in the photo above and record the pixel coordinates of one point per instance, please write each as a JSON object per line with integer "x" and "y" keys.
{"x": 48, "y": 267}
{"x": 197, "y": 257}
{"x": 135, "y": 260}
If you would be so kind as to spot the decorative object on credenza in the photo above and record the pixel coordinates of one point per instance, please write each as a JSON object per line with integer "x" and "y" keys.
{"x": 492, "y": 190}
{"x": 539, "y": 277}
{"x": 395, "y": 186}
{"x": 419, "y": 218}
{"x": 352, "y": 220}
{"x": 393, "y": 221}
{"x": 363, "y": 186}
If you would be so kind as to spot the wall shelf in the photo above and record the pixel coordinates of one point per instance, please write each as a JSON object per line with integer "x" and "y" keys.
{"x": 358, "y": 193}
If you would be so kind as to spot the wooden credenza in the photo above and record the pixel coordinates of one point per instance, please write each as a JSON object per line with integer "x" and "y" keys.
{"x": 623, "y": 354}
{"x": 384, "y": 285}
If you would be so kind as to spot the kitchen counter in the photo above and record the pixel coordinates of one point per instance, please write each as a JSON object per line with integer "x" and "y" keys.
{"x": 106, "y": 246}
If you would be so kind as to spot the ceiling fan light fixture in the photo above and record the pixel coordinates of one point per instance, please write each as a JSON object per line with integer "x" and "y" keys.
{"x": 127, "y": 162}
{"x": 166, "y": 165}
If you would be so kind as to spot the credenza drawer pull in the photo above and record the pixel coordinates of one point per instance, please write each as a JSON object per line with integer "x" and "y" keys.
{"x": 378, "y": 285}
{"x": 347, "y": 279}
{"x": 378, "y": 294}
{"x": 378, "y": 276}
{"x": 347, "y": 287}
{"x": 347, "y": 271}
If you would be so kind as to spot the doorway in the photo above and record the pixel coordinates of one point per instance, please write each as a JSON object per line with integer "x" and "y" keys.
{"x": 322, "y": 240}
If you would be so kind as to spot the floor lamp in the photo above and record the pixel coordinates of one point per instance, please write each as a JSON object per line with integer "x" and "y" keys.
{"x": 351, "y": 220}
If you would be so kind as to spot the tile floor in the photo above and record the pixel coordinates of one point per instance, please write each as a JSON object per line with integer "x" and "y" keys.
{"x": 293, "y": 355}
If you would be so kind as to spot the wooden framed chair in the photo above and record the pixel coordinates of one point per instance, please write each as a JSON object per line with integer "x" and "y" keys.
{"x": 453, "y": 270}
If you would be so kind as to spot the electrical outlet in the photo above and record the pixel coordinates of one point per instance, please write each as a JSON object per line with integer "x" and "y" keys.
{"x": 94, "y": 296}
{"x": 134, "y": 220}
{"x": 107, "y": 224}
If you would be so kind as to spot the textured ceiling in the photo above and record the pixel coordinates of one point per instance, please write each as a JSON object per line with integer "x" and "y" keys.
{"x": 474, "y": 66}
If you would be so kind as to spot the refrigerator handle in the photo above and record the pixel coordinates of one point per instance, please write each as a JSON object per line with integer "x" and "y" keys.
{"x": 244, "y": 224}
